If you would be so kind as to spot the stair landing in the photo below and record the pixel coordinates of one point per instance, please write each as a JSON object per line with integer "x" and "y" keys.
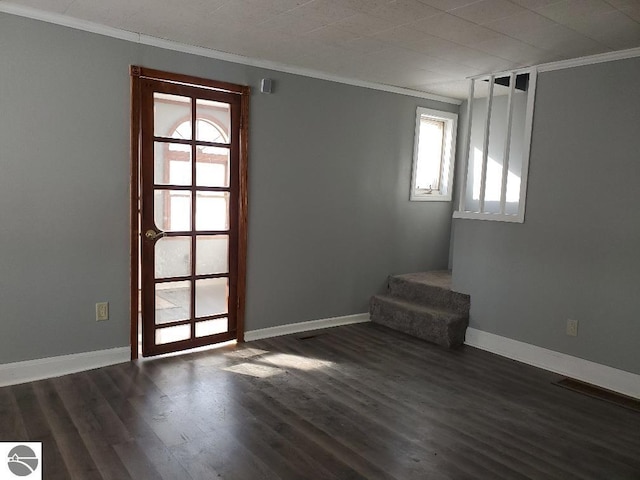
{"x": 437, "y": 278}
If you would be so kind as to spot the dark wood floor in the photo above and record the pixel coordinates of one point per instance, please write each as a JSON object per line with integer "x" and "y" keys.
{"x": 355, "y": 402}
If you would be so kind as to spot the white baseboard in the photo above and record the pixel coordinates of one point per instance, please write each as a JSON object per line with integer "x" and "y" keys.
{"x": 41, "y": 368}
{"x": 305, "y": 326}
{"x": 620, "y": 381}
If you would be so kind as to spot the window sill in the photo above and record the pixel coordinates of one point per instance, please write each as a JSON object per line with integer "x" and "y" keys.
{"x": 495, "y": 217}
{"x": 429, "y": 197}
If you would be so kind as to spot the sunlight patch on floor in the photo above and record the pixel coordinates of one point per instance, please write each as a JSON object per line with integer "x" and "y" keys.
{"x": 246, "y": 353}
{"x": 262, "y": 364}
{"x": 285, "y": 360}
{"x": 254, "y": 370}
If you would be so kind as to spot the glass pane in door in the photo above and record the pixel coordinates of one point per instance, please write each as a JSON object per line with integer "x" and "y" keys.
{"x": 173, "y": 257}
{"x": 212, "y": 211}
{"x": 172, "y": 210}
{"x": 173, "y": 334}
{"x": 212, "y": 166}
{"x": 172, "y": 116}
{"x": 211, "y": 296}
{"x": 173, "y": 301}
{"x": 172, "y": 164}
{"x": 212, "y": 254}
{"x": 211, "y": 327}
{"x": 213, "y": 121}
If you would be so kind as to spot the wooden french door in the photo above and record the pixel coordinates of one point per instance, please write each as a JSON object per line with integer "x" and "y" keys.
{"x": 192, "y": 216}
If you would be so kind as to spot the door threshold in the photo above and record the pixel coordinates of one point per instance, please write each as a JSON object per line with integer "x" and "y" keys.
{"x": 205, "y": 348}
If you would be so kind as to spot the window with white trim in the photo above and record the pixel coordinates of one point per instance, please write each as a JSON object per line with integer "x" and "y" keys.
{"x": 498, "y": 138}
{"x": 433, "y": 155}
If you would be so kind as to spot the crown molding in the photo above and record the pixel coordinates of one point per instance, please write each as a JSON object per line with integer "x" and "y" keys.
{"x": 590, "y": 60}
{"x": 564, "y": 64}
{"x": 66, "y": 21}
{"x": 87, "y": 26}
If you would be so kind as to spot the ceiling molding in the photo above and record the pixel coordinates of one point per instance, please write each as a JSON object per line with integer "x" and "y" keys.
{"x": 589, "y": 60}
{"x": 67, "y": 21}
{"x": 281, "y": 67}
{"x": 87, "y": 26}
{"x": 570, "y": 63}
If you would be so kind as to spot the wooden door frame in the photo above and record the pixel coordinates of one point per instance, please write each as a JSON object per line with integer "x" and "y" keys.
{"x": 137, "y": 74}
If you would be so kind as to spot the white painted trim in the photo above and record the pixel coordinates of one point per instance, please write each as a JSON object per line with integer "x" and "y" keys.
{"x": 281, "y": 67}
{"x": 78, "y": 24}
{"x": 429, "y": 197}
{"x": 620, "y": 381}
{"x": 305, "y": 326}
{"x": 590, "y": 60}
{"x": 507, "y": 144}
{"x": 528, "y": 132}
{"x": 66, "y": 21}
{"x": 41, "y": 368}
{"x": 465, "y": 153}
{"x": 528, "y": 129}
{"x": 495, "y": 217}
{"x": 569, "y": 63}
{"x": 485, "y": 145}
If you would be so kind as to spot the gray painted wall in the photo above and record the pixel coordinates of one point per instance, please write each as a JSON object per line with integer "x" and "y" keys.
{"x": 329, "y": 172}
{"x": 576, "y": 255}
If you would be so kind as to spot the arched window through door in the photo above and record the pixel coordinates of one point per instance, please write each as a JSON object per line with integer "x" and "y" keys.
{"x": 212, "y": 170}
{"x": 206, "y": 129}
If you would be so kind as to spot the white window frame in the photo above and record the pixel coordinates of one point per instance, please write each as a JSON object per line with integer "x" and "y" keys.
{"x": 482, "y": 215}
{"x": 447, "y": 162}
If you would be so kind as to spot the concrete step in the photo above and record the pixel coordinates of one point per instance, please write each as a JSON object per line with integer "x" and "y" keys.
{"x": 429, "y": 288}
{"x": 443, "y": 327}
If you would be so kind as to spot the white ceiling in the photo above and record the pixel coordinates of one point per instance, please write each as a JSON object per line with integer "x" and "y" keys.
{"x": 425, "y": 45}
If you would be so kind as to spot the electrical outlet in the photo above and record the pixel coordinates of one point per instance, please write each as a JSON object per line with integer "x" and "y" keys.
{"x": 572, "y": 328}
{"x": 102, "y": 311}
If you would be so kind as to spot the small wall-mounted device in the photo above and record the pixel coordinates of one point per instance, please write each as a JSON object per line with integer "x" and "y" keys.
{"x": 266, "y": 85}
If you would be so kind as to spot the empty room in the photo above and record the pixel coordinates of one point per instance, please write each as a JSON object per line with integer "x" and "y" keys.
{"x": 319, "y": 239}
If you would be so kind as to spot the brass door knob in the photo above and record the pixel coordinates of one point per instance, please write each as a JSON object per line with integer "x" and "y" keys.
{"x": 152, "y": 234}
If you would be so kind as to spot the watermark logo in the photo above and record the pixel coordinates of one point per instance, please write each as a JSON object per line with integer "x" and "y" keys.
{"x": 20, "y": 460}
